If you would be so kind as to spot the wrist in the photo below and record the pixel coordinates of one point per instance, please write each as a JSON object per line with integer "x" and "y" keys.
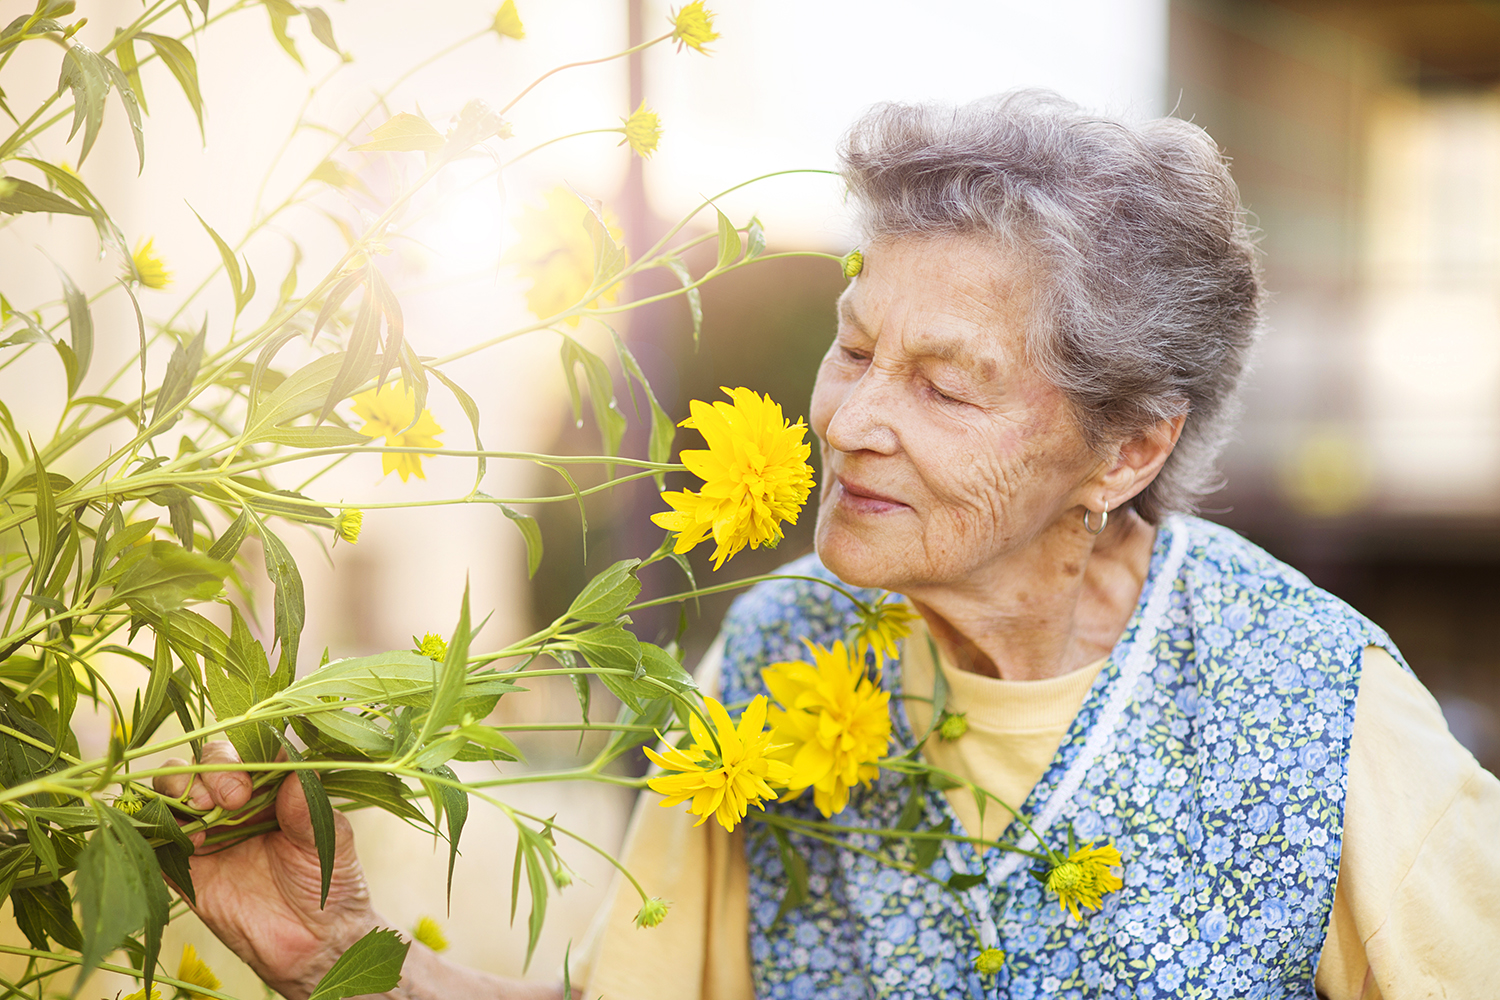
{"x": 313, "y": 966}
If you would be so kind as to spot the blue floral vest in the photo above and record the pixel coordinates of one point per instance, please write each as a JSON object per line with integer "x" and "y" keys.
{"x": 1211, "y": 750}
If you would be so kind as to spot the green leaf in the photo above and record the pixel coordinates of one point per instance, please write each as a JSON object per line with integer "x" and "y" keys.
{"x": 375, "y": 788}
{"x": 399, "y": 677}
{"x": 326, "y": 436}
{"x": 404, "y": 133}
{"x": 794, "y": 867}
{"x": 360, "y": 358}
{"x": 179, "y": 59}
{"x": 925, "y": 852}
{"x": 231, "y": 268}
{"x": 456, "y": 806}
{"x": 177, "y": 383}
{"x": 663, "y": 429}
{"x": 320, "y": 813}
{"x": 228, "y": 543}
{"x": 128, "y": 98}
{"x": 46, "y": 911}
{"x": 609, "y": 257}
{"x": 660, "y": 665}
{"x": 961, "y": 883}
{"x": 729, "y": 242}
{"x": 291, "y": 609}
{"x": 322, "y": 28}
{"x": 83, "y": 72}
{"x": 125, "y": 53}
{"x": 162, "y": 577}
{"x": 73, "y": 187}
{"x": 694, "y": 295}
{"x": 355, "y": 731}
{"x": 302, "y": 392}
{"x": 156, "y": 687}
{"x": 452, "y": 674}
{"x": 370, "y": 965}
{"x": 390, "y": 308}
{"x": 17, "y": 196}
{"x": 142, "y": 863}
{"x": 36, "y": 834}
{"x": 601, "y": 392}
{"x": 755, "y": 237}
{"x": 607, "y": 595}
{"x": 112, "y": 895}
{"x": 471, "y": 410}
{"x": 80, "y": 330}
{"x": 236, "y": 682}
{"x": 47, "y": 521}
{"x": 280, "y": 12}
{"x": 156, "y": 822}
{"x": 613, "y": 648}
{"x": 531, "y": 532}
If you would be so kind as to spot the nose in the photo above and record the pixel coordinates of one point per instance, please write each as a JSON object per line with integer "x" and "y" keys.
{"x": 863, "y": 421}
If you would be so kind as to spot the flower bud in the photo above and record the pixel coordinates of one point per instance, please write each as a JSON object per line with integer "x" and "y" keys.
{"x": 989, "y": 961}
{"x": 854, "y": 263}
{"x": 652, "y": 912}
{"x": 348, "y": 523}
{"x": 953, "y": 725}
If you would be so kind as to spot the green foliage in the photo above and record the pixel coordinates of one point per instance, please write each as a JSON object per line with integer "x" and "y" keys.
{"x": 139, "y": 556}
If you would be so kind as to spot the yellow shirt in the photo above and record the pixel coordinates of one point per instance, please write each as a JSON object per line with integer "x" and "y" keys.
{"x": 1416, "y": 912}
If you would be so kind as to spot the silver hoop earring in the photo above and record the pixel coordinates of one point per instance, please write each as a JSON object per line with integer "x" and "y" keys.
{"x": 1103, "y": 520}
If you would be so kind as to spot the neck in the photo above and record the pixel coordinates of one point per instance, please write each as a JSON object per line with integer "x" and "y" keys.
{"x": 1050, "y": 608}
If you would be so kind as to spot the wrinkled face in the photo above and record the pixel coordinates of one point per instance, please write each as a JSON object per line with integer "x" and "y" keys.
{"x": 945, "y": 452}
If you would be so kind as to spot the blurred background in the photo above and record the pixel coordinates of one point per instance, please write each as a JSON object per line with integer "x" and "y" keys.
{"x": 1365, "y": 138}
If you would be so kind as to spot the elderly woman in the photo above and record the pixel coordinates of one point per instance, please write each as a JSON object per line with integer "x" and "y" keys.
{"x": 1032, "y": 376}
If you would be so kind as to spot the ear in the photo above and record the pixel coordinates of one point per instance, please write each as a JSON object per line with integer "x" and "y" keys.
{"x": 1138, "y": 462}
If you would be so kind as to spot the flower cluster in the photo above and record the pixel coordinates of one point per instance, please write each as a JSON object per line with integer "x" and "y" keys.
{"x": 835, "y": 722}
{"x": 725, "y": 772}
{"x": 390, "y": 411}
{"x": 755, "y": 476}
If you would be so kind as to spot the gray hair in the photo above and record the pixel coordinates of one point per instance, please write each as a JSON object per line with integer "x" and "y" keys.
{"x": 1149, "y": 292}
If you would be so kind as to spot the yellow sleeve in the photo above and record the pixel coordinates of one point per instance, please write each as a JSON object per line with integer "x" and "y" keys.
{"x": 1418, "y": 886}
{"x": 702, "y": 950}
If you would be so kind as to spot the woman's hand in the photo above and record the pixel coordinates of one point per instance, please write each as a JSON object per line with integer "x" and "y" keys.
{"x": 260, "y": 896}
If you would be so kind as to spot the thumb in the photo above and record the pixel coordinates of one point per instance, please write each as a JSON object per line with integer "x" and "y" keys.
{"x": 294, "y": 815}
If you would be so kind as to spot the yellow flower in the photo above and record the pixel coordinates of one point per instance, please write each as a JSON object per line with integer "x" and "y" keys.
{"x": 953, "y": 725}
{"x": 508, "y": 22}
{"x": 431, "y": 646}
{"x": 348, "y": 524}
{"x": 834, "y": 721}
{"x": 853, "y": 264}
{"x": 693, "y": 26}
{"x": 878, "y": 630}
{"x": 388, "y": 413}
{"x": 556, "y": 253}
{"x": 141, "y": 994}
{"x": 989, "y": 961}
{"x": 430, "y": 933}
{"x": 755, "y": 475}
{"x": 1085, "y": 877}
{"x": 153, "y": 273}
{"x": 642, "y": 130}
{"x": 652, "y": 912}
{"x": 119, "y": 729}
{"x": 722, "y": 781}
{"x": 193, "y": 969}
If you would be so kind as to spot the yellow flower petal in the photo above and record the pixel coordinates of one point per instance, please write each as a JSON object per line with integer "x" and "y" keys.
{"x": 430, "y": 932}
{"x": 643, "y": 131}
{"x": 149, "y": 267}
{"x": 721, "y": 781}
{"x": 388, "y": 412}
{"x": 193, "y": 969}
{"x": 1085, "y": 877}
{"x": 507, "y": 22}
{"x": 693, "y": 26}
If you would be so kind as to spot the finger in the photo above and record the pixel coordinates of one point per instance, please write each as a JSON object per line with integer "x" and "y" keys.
{"x": 171, "y": 785}
{"x": 295, "y": 820}
{"x": 227, "y": 789}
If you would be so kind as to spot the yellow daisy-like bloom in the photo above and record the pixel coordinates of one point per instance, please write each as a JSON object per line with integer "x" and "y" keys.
{"x": 1085, "y": 877}
{"x": 141, "y": 994}
{"x": 193, "y": 969}
{"x": 835, "y": 722}
{"x": 556, "y": 253}
{"x": 430, "y": 933}
{"x": 878, "y": 631}
{"x": 431, "y": 646}
{"x": 989, "y": 961}
{"x": 508, "y": 22}
{"x": 388, "y": 413}
{"x": 755, "y": 475}
{"x": 693, "y": 26}
{"x": 348, "y": 524}
{"x": 723, "y": 781}
{"x": 643, "y": 131}
{"x": 853, "y": 264}
{"x": 149, "y": 266}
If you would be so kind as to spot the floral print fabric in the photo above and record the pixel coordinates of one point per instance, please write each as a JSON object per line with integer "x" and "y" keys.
{"x": 1211, "y": 750}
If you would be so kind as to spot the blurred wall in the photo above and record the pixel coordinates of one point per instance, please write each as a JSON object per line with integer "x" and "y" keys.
{"x": 1365, "y": 138}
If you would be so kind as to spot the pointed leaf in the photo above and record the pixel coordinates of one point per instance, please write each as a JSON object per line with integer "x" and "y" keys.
{"x": 370, "y": 965}
{"x": 456, "y": 806}
{"x": 531, "y": 532}
{"x": 322, "y": 28}
{"x": 320, "y": 812}
{"x": 17, "y": 196}
{"x": 607, "y": 595}
{"x": 729, "y": 243}
{"x": 231, "y": 265}
{"x": 291, "y": 610}
{"x": 177, "y": 383}
{"x": 694, "y": 296}
{"x": 179, "y": 59}
{"x": 83, "y": 72}
{"x": 403, "y": 133}
{"x": 132, "y": 105}
{"x": 80, "y": 329}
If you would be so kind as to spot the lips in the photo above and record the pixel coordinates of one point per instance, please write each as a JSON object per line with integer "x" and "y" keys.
{"x": 865, "y": 495}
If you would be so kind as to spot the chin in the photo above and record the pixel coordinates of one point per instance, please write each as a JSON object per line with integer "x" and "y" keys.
{"x": 853, "y": 559}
